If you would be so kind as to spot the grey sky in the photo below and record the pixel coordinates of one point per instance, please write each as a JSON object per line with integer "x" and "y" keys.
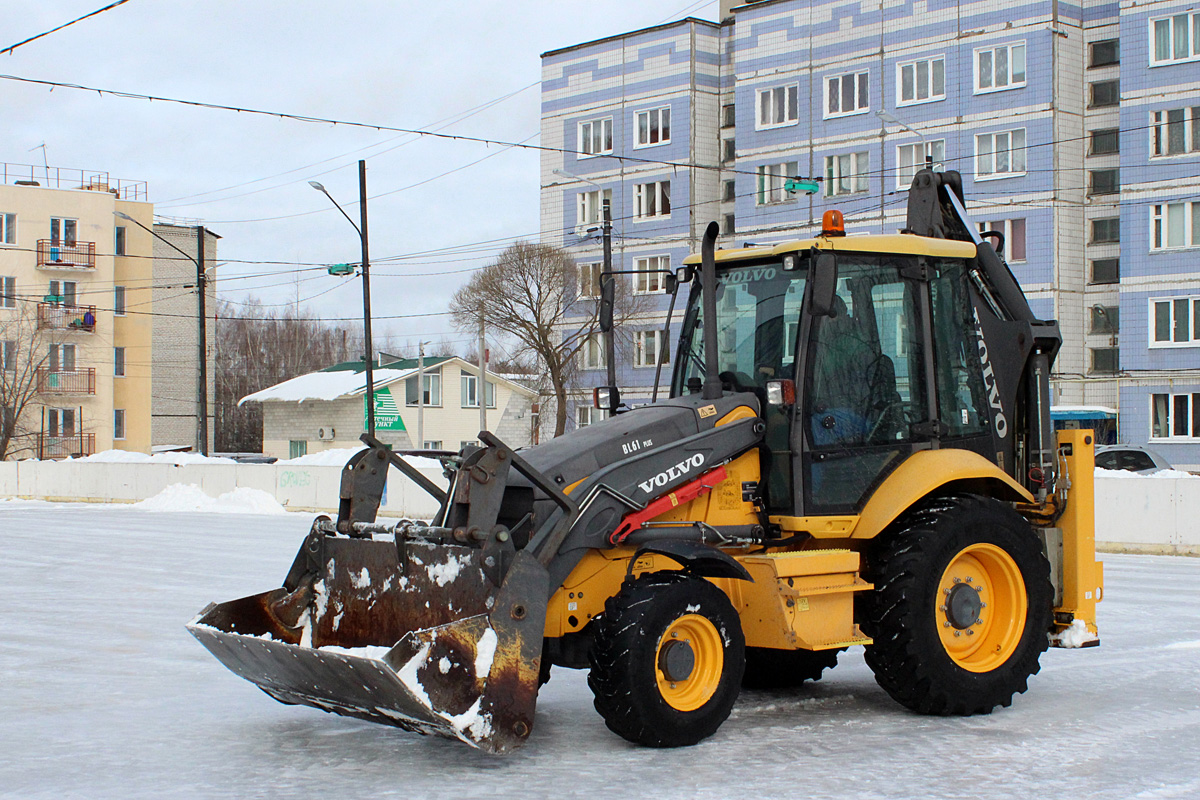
{"x": 410, "y": 65}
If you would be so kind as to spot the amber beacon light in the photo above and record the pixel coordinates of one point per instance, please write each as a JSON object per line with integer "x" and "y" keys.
{"x": 833, "y": 224}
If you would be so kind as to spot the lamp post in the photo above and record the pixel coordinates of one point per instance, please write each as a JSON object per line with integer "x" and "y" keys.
{"x": 202, "y": 314}
{"x": 886, "y": 116}
{"x": 366, "y": 276}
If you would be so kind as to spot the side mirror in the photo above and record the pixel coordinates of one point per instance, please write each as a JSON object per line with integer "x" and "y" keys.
{"x": 824, "y": 279}
{"x": 606, "y": 398}
{"x": 607, "y": 291}
{"x": 670, "y": 282}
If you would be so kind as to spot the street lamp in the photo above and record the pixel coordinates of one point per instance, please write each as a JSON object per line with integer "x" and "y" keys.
{"x": 202, "y": 292}
{"x": 886, "y": 116}
{"x": 366, "y": 276}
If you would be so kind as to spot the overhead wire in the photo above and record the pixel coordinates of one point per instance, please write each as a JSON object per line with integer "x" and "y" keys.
{"x": 108, "y": 7}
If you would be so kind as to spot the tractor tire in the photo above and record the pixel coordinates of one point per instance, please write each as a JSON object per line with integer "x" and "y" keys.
{"x": 667, "y": 660}
{"x": 768, "y": 668}
{"x": 961, "y": 607}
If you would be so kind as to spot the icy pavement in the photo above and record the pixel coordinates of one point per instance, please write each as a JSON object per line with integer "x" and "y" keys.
{"x": 103, "y": 694}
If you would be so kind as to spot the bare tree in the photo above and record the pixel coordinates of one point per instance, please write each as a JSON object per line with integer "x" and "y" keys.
{"x": 23, "y": 351}
{"x": 523, "y": 295}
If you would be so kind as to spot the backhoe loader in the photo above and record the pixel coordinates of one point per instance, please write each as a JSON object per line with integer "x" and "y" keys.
{"x": 856, "y": 450}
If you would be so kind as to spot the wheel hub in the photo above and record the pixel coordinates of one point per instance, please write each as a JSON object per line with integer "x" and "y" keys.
{"x": 677, "y": 660}
{"x": 963, "y": 606}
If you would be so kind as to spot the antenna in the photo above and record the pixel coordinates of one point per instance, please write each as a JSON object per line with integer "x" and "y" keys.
{"x": 45, "y": 161}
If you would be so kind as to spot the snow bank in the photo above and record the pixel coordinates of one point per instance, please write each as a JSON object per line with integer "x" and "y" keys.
{"x": 130, "y": 457}
{"x": 339, "y": 456}
{"x": 190, "y": 497}
{"x": 1077, "y": 635}
{"x": 1122, "y": 474}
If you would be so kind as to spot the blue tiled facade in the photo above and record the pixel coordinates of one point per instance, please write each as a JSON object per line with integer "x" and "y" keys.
{"x": 725, "y": 132}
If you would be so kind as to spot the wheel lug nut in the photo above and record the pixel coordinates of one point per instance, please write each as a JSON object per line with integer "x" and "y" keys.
{"x": 945, "y": 624}
{"x": 958, "y": 580}
{"x": 970, "y": 632}
{"x": 969, "y": 579}
{"x": 958, "y": 633}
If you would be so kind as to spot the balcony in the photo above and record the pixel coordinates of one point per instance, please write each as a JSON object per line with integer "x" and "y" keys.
{"x": 61, "y": 317}
{"x": 61, "y": 381}
{"x": 58, "y": 255}
{"x": 66, "y": 445}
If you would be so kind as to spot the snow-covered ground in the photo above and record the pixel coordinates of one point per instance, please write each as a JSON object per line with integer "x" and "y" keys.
{"x": 103, "y": 694}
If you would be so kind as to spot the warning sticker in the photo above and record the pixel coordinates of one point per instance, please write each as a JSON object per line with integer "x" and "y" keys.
{"x": 707, "y": 411}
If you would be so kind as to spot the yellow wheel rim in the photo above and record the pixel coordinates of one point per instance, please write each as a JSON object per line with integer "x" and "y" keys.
{"x": 981, "y": 607}
{"x": 689, "y": 660}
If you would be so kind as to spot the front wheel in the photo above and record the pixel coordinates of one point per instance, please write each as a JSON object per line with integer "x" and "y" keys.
{"x": 961, "y": 608}
{"x": 667, "y": 660}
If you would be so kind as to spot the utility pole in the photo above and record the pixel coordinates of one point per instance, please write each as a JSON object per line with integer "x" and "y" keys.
{"x": 366, "y": 282}
{"x": 610, "y": 348}
{"x": 482, "y": 391}
{"x": 421, "y": 396}
{"x": 202, "y": 296}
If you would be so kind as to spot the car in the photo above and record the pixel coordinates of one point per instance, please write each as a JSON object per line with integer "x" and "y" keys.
{"x": 1130, "y": 457}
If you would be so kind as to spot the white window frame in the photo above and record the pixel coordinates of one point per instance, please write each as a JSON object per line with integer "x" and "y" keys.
{"x": 655, "y": 196}
{"x": 851, "y": 169}
{"x": 587, "y": 137}
{"x": 591, "y": 352}
{"x": 587, "y": 414}
{"x": 431, "y": 444}
{"x": 589, "y": 206}
{"x": 56, "y": 422}
{"x": 1190, "y": 400}
{"x": 643, "y": 343}
{"x": 1005, "y": 226}
{"x": 119, "y": 432}
{"x": 933, "y": 147}
{"x": 469, "y": 388}
{"x": 8, "y": 291}
{"x": 1162, "y": 228}
{"x": 1191, "y": 38}
{"x": 587, "y": 279}
{"x": 119, "y": 298}
{"x": 8, "y": 229}
{"x": 1011, "y": 82}
{"x": 988, "y": 152}
{"x": 933, "y": 65}
{"x": 862, "y": 86}
{"x": 777, "y": 106}
{"x": 120, "y": 241}
{"x": 652, "y": 115}
{"x": 1191, "y": 305}
{"x": 1160, "y": 129}
{"x": 432, "y": 384}
{"x": 770, "y": 180}
{"x": 119, "y": 366}
{"x": 648, "y": 277}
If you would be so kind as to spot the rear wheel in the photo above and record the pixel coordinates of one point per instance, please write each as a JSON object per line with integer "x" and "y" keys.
{"x": 768, "y": 668}
{"x": 667, "y": 660}
{"x": 961, "y": 606}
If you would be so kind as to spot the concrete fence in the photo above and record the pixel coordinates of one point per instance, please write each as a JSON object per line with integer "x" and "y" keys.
{"x": 1134, "y": 514}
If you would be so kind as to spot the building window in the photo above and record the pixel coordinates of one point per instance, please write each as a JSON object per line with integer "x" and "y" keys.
{"x": 1105, "y": 359}
{"x": 588, "y": 415}
{"x": 771, "y": 178}
{"x": 729, "y": 224}
{"x": 913, "y": 157}
{"x": 1106, "y": 270}
{"x": 1175, "y": 416}
{"x": 653, "y": 127}
{"x": 431, "y": 444}
{"x": 595, "y": 136}
{"x": 1013, "y": 231}
{"x": 297, "y": 448}
{"x": 1104, "y": 93}
{"x": 1104, "y": 53}
{"x": 470, "y": 392}
{"x": 8, "y": 291}
{"x": 1105, "y": 142}
{"x": 646, "y": 348}
{"x": 118, "y": 423}
{"x": 119, "y": 300}
{"x": 119, "y": 362}
{"x": 588, "y": 282}
{"x": 65, "y": 291}
{"x": 8, "y": 355}
{"x": 728, "y": 116}
{"x": 63, "y": 231}
{"x": 999, "y": 68}
{"x": 60, "y": 421}
{"x": 847, "y": 173}
{"x": 591, "y": 352}
{"x": 119, "y": 241}
{"x": 432, "y": 389}
{"x": 1174, "y": 225}
{"x": 1106, "y": 320}
{"x": 1106, "y": 230}
{"x": 62, "y": 358}
{"x": 652, "y": 200}
{"x": 847, "y": 94}
{"x": 778, "y": 106}
{"x": 728, "y": 150}
{"x": 590, "y": 208}
{"x": 1104, "y": 181}
{"x": 730, "y": 191}
{"x": 8, "y": 228}
{"x": 1175, "y": 321}
{"x": 650, "y": 274}
{"x": 1175, "y": 38}
{"x": 921, "y": 81}
{"x": 999, "y": 155}
{"x": 1175, "y": 132}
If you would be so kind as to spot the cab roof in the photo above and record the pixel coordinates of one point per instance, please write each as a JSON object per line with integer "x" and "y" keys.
{"x": 900, "y": 243}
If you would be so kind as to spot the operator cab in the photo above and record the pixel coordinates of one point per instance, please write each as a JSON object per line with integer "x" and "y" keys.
{"x": 873, "y": 337}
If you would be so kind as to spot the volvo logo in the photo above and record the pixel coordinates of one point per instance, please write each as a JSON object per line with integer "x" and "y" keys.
{"x": 989, "y": 381}
{"x": 668, "y": 475}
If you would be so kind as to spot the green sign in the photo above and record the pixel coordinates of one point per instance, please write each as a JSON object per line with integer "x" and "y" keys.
{"x": 387, "y": 411}
{"x": 796, "y": 185}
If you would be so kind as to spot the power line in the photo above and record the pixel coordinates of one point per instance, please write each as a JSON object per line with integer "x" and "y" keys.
{"x": 108, "y": 7}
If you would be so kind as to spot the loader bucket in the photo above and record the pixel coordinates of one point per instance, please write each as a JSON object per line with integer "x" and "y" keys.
{"x": 418, "y": 638}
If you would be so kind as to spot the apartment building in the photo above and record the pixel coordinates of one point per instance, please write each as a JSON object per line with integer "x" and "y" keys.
{"x": 74, "y": 328}
{"x": 1075, "y": 127}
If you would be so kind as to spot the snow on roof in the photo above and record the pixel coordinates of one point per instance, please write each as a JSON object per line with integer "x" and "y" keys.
{"x": 1093, "y": 409}
{"x": 326, "y": 385}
